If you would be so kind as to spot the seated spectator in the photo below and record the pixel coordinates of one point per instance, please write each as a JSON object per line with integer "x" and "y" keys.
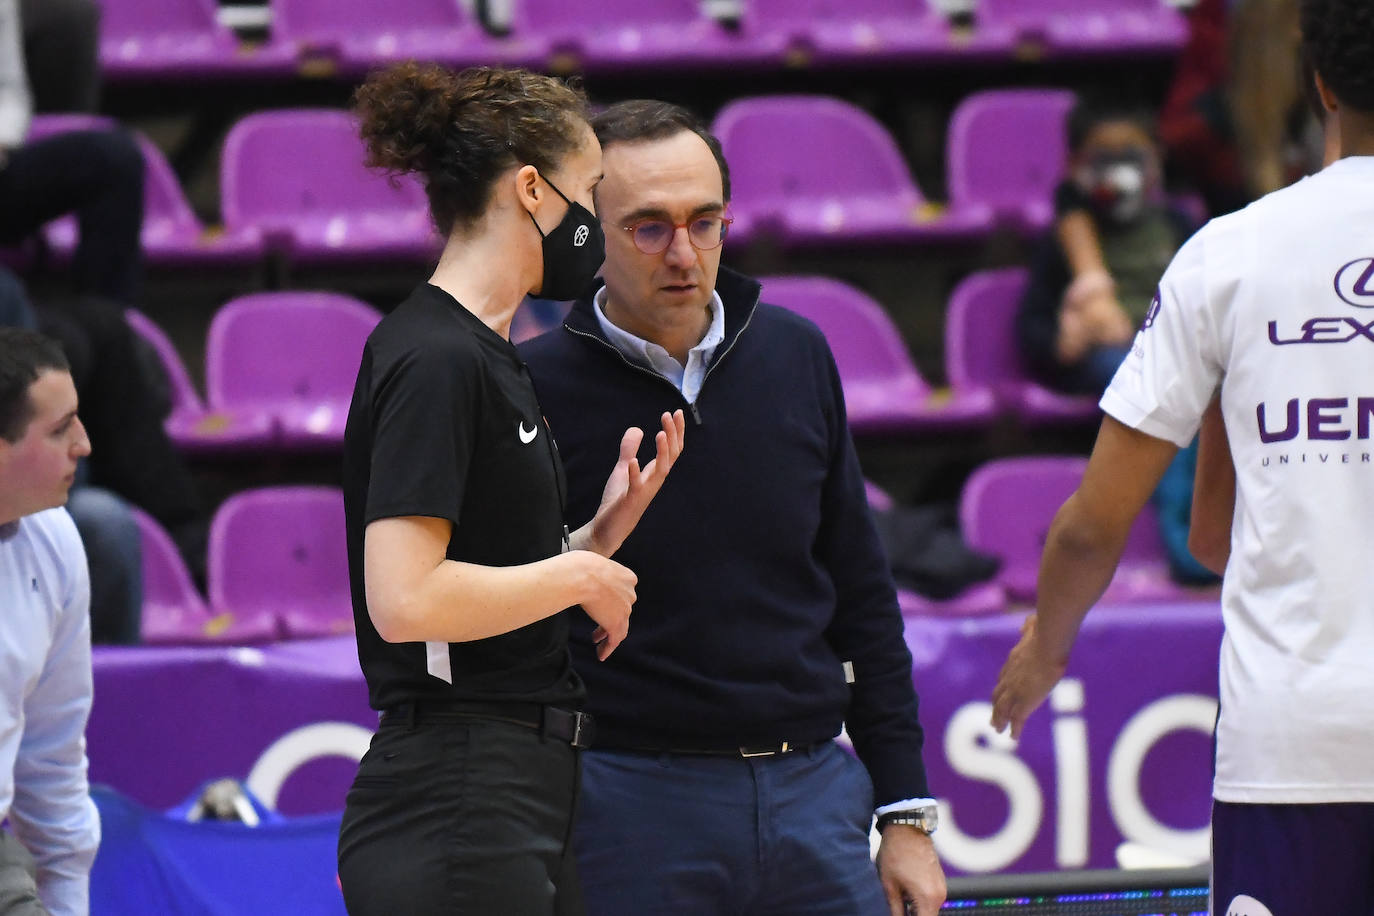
{"x": 49, "y": 829}
{"x": 96, "y": 174}
{"x": 1094, "y": 280}
{"x": 1094, "y": 273}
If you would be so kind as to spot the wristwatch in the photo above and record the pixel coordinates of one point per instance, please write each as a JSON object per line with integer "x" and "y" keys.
{"x": 924, "y": 819}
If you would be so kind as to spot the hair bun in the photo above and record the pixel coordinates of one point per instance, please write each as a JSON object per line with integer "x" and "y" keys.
{"x": 403, "y": 113}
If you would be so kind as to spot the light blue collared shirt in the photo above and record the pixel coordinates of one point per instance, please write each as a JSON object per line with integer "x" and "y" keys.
{"x": 686, "y": 379}
{"x": 45, "y": 698}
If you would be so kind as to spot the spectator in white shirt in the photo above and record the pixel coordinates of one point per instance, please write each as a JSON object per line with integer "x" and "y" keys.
{"x": 45, "y": 643}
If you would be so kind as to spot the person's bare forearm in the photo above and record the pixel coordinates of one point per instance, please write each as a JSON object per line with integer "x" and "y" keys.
{"x": 1078, "y": 238}
{"x": 461, "y": 602}
{"x": 1076, "y": 568}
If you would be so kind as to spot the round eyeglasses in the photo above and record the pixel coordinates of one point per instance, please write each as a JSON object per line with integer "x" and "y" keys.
{"x": 653, "y": 236}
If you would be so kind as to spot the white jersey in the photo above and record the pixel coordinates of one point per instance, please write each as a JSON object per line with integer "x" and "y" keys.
{"x": 1275, "y": 304}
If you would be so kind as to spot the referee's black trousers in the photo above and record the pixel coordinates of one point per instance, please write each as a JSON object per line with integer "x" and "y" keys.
{"x": 461, "y": 815}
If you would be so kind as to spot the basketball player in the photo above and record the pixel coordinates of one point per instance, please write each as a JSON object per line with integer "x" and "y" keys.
{"x": 1275, "y": 300}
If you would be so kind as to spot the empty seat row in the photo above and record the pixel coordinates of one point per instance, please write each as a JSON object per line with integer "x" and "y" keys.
{"x": 280, "y": 366}
{"x": 813, "y": 170}
{"x": 1006, "y": 508}
{"x": 278, "y": 563}
{"x": 148, "y": 38}
{"x": 319, "y": 208}
{"x": 277, "y": 568}
{"x": 279, "y": 373}
{"x": 884, "y": 390}
{"x": 808, "y": 171}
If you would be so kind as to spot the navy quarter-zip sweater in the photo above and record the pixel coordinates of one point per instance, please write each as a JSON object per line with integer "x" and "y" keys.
{"x": 760, "y": 572}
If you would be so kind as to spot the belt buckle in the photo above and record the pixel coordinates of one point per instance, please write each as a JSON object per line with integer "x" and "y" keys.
{"x": 765, "y": 751}
{"x": 579, "y": 718}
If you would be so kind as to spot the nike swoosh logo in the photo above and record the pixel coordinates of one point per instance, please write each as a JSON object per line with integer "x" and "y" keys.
{"x": 527, "y": 437}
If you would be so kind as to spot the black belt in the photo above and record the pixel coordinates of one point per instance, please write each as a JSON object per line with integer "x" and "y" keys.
{"x": 570, "y": 725}
{"x": 744, "y": 751}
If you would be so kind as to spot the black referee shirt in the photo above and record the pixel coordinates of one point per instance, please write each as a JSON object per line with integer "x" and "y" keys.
{"x": 445, "y": 423}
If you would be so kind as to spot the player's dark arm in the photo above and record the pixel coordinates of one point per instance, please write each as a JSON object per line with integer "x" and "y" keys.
{"x": 1082, "y": 550}
{"x": 1214, "y": 494}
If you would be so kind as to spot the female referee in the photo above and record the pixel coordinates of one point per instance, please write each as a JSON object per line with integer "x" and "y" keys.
{"x": 459, "y": 558}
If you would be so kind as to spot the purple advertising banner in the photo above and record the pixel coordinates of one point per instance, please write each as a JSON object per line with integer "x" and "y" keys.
{"x": 1116, "y": 765}
{"x": 292, "y": 719}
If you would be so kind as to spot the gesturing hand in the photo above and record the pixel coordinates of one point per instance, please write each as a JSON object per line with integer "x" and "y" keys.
{"x": 630, "y": 488}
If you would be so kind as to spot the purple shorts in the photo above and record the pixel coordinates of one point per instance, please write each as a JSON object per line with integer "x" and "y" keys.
{"x": 1292, "y": 860}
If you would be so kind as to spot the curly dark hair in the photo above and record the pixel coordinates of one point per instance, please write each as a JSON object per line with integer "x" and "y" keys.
{"x": 1338, "y": 39}
{"x": 643, "y": 120}
{"x": 460, "y": 131}
{"x": 24, "y": 355}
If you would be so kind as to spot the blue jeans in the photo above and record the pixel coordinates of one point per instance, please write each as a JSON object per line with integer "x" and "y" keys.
{"x": 765, "y": 836}
{"x": 114, "y": 553}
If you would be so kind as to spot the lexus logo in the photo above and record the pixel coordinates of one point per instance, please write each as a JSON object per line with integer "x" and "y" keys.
{"x": 1355, "y": 283}
{"x": 580, "y": 238}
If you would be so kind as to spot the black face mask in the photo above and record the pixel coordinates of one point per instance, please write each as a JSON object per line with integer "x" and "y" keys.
{"x": 573, "y": 252}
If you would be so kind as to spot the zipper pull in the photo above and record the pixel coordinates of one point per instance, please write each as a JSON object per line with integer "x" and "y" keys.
{"x": 696, "y": 414}
{"x": 567, "y": 539}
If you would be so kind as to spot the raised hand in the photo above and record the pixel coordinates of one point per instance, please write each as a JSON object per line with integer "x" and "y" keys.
{"x": 630, "y": 488}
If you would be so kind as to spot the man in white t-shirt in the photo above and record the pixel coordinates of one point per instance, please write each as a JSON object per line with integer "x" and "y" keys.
{"x": 45, "y": 639}
{"x": 1274, "y": 305}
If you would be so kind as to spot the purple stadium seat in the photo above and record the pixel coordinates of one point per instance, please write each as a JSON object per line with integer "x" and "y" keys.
{"x": 1081, "y": 27}
{"x": 355, "y": 35}
{"x": 1005, "y": 154}
{"x": 175, "y": 39}
{"x": 978, "y": 600}
{"x": 816, "y": 170}
{"x": 171, "y": 232}
{"x": 981, "y": 353}
{"x": 190, "y": 426}
{"x": 879, "y": 500}
{"x": 613, "y": 35}
{"x": 281, "y": 549}
{"x": 173, "y": 611}
{"x": 296, "y": 179}
{"x": 1144, "y": 571}
{"x": 290, "y": 356}
{"x": 876, "y": 32}
{"x": 1007, "y": 507}
{"x": 974, "y": 601}
{"x": 883, "y": 390}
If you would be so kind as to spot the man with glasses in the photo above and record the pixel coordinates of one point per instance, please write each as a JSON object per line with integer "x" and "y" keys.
{"x": 766, "y": 615}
